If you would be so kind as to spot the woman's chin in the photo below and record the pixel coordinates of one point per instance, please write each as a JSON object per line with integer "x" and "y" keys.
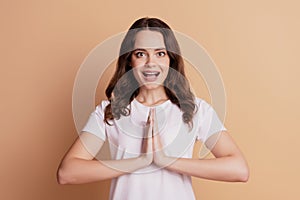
{"x": 151, "y": 86}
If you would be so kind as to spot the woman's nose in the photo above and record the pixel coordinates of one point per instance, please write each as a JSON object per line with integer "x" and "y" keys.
{"x": 150, "y": 60}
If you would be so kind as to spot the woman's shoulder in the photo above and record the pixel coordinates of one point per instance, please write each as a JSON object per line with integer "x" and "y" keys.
{"x": 202, "y": 104}
{"x": 102, "y": 105}
{"x": 199, "y": 101}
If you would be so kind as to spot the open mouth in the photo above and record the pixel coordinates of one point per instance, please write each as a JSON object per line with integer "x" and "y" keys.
{"x": 150, "y": 74}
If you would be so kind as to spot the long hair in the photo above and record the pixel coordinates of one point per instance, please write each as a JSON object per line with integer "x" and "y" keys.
{"x": 123, "y": 87}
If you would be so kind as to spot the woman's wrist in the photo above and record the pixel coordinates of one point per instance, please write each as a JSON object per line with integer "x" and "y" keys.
{"x": 128, "y": 165}
{"x": 145, "y": 160}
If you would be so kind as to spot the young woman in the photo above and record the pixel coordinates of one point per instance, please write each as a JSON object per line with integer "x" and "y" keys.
{"x": 151, "y": 121}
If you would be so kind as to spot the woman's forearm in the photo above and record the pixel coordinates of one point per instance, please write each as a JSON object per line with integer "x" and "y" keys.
{"x": 228, "y": 168}
{"x": 77, "y": 171}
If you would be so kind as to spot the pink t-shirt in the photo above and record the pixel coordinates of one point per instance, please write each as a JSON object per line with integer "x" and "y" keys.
{"x": 125, "y": 137}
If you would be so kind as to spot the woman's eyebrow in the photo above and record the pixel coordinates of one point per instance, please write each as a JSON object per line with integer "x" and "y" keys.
{"x": 139, "y": 49}
{"x": 160, "y": 49}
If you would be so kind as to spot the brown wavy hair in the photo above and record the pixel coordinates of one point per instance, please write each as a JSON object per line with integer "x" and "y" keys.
{"x": 123, "y": 87}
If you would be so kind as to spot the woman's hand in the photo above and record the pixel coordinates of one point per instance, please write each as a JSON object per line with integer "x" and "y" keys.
{"x": 159, "y": 157}
{"x": 152, "y": 148}
{"x": 147, "y": 146}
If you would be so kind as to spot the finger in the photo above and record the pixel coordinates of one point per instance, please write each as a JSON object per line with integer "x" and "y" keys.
{"x": 157, "y": 143}
{"x": 147, "y": 141}
{"x": 150, "y": 131}
{"x": 149, "y": 119}
{"x": 147, "y": 135}
{"x": 152, "y": 114}
{"x": 154, "y": 120}
{"x": 149, "y": 125}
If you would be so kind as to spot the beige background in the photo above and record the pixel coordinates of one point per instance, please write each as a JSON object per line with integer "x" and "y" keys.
{"x": 254, "y": 43}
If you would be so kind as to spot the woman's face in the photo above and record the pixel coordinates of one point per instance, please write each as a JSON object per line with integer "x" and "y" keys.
{"x": 149, "y": 60}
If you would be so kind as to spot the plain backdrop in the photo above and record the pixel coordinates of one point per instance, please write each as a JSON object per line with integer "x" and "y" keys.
{"x": 255, "y": 45}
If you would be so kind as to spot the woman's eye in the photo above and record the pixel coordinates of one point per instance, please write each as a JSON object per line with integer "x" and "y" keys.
{"x": 139, "y": 54}
{"x": 161, "y": 54}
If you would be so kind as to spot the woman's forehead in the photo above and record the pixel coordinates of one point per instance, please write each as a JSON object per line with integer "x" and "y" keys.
{"x": 147, "y": 39}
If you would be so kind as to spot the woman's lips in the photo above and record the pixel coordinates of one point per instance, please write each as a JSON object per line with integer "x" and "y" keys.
{"x": 150, "y": 76}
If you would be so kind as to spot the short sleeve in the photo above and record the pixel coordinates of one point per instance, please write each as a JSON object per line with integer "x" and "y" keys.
{"x": 209, "y": 122}
{"x": 95, "y": 123}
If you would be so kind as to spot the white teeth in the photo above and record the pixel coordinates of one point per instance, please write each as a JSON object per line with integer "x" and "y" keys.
{"x": 150, "y": 73}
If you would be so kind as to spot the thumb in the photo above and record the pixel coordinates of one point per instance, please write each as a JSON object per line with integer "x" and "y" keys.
{"x": 157, "y": 142}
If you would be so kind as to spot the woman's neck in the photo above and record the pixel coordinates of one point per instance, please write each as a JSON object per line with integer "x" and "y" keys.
{"x": 151, "y": 97}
